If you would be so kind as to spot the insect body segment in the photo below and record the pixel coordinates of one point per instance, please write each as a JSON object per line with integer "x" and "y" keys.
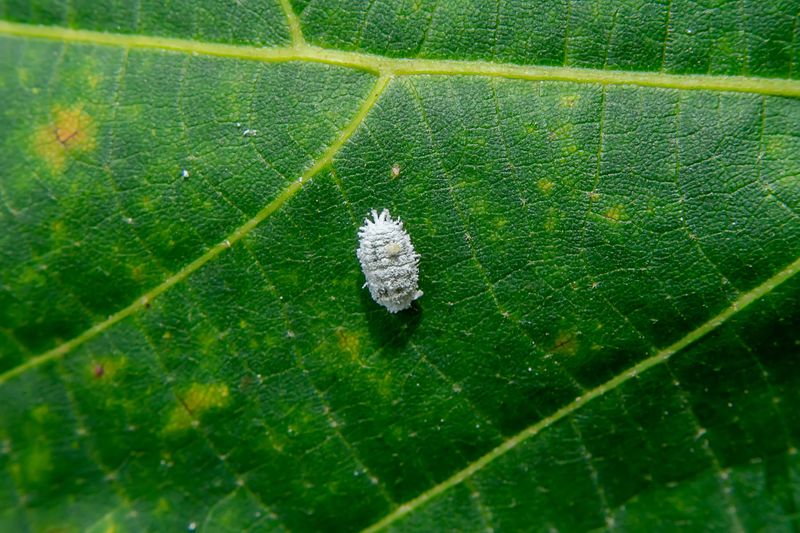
{"x": 389, "y": 261}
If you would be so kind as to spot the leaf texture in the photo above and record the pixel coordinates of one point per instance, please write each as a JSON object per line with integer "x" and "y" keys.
{"x": 605, "y": 198}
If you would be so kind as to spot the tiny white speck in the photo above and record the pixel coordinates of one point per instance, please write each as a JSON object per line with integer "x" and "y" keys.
{"x": 128, "y": 220}
{"x": 395, "y": 170}
{"x": 185, "y": 173}
{"x": 192, "y": 526}
{"x": 249, "y": 133}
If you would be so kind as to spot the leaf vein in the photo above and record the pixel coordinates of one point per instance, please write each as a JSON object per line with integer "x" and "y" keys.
{"x": 237, "y": 234}
{"x": 741, "y": 303}
{"x": 409, "y": 67}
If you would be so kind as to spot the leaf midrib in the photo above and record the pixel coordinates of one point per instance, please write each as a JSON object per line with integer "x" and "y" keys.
{"x": 299, "y": 50}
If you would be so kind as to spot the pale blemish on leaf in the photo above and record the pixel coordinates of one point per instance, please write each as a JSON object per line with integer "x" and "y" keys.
{"x": 615, "y": 214}
{"x": 106, "y": 368}
{"x": 57, "y": 227}
{"x": 564, "y": 131}
{"x": 566, "y": 343}
{"x": 569, "y": 100}
{"x": 775, "y": 146}
{"x": 551, "y": 222}
{"x": 194, "y": 402}
{"x": 94, "y": 79}
{"x": 569, "y": 149}
{"x": 40, "y": 413}
{"x": 163, "y": 506}
{"x": 70, "y": 131}
{"x": 348, "y": 342}
{"x": 545, "y": 185}
{"x": 35, "y": 462}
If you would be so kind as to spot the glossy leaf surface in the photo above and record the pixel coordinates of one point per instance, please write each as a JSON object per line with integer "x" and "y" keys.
{"x": 605, "y": 198}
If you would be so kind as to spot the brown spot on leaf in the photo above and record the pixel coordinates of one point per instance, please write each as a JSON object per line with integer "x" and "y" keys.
{"x": 70, "y": 131}
{"x": 195, "y": 401}
{"x": 566, "y": 343}
{"x": 106, "y": 368}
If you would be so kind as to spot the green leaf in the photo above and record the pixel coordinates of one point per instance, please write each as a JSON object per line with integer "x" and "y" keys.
{"x": 605, "y": 197}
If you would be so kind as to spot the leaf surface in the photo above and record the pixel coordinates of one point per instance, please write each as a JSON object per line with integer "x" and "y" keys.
{"x": 605, "y": 199}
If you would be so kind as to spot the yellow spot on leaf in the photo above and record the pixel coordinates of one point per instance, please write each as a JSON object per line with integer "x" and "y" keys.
{"x": 775, "y": 146}
{"x": 194, "y": 402}
{"x": 70, "y": 131}
{"x": 545, "y": 185}
{"x": 615, "y": 214}
{"x": 40, "y": 413}
{"x": 569, "y": 149}
{"x": 106, "y": 368}
{"x": 94, "y": 80}
{"x": 569, "y": 100}
{"x": 163, "y": 506}
{"x": 57, "y": 226}
{"x": 564, "y": 131}
{"x": 37, "y": 462}
{"x": 566, "y": 343}
{"x": 348, "y": 343}
{"x": 552, "y": 219}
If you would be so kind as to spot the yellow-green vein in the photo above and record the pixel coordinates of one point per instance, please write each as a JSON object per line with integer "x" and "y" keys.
{"x": 214, "y": 251}
{"x": 299, "y": 51}
{"x": 293, "y": 22}
{"x": 662, "y": 356}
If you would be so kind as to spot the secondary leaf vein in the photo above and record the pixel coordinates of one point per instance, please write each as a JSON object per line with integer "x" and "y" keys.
{"x": 741, "y": 303}
{"x": 214, "y": 251}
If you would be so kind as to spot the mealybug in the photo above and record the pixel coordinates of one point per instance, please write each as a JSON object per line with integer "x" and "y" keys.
{"x": 389, "y": 262}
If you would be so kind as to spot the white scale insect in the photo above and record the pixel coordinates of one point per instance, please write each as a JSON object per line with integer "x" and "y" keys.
{"x": 389, "y": 261}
